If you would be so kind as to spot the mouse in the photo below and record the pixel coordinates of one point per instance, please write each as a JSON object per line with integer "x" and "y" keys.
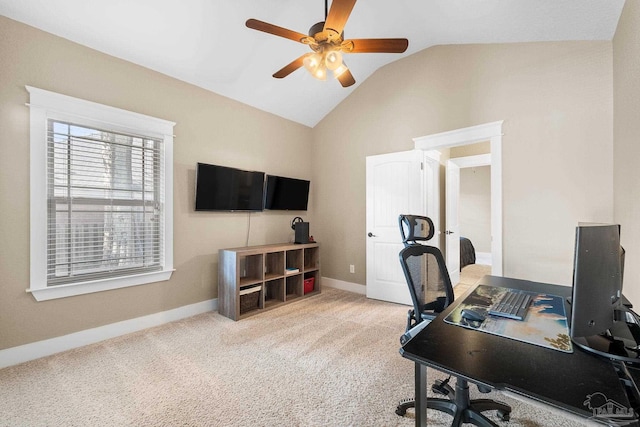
{"x": 471, "y": 315}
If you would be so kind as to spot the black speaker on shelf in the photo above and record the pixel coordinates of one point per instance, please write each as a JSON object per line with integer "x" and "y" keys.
{"x": 301, "y": 230}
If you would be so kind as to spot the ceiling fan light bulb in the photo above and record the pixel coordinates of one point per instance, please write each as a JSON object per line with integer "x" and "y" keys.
{"x": 338, "y": 71}
{"x": 320, "y": 73}
{"x": 312, "y": 62}
{"x": 333, "y": 60}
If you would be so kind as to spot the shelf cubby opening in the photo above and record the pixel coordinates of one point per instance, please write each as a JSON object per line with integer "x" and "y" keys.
{"x": 294, "y": 259}
{"x": 251, "y": 269}
{"x": 311, "y": 282}
{"x": 294, "y": 287}
{"x": 274, "y": 292}
{"x": 274, "y": 265}
{"x": 311, "y": 258}
{"x": 251, "y": 300}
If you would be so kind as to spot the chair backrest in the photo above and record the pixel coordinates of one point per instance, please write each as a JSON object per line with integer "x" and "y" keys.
{"x": 415, "y": 228}
{"x": 425, "y": 271}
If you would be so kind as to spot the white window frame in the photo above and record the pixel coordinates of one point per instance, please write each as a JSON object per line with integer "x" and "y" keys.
{"x": 45, "y": 105}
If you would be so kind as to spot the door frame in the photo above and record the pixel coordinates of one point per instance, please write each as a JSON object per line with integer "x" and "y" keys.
{"x": 470, "y": 135}
{"x": 463, "y": 163}
{"x": 452, "y": 220}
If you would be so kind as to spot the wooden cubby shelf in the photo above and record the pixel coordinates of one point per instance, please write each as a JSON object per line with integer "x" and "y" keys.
{"x": 256, "y": 278}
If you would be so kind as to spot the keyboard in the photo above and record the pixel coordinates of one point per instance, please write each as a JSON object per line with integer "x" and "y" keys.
{"x": 513, "y": 305}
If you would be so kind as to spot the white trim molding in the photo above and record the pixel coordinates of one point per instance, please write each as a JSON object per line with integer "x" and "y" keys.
{"x": 472, "y": 161}
{"x": 457, "y": 137}
{"x": 46, "y": 105}
{"x": 345, "y": 286}
{"x": 24, "y": 353}
{"x": 470, "y": 135}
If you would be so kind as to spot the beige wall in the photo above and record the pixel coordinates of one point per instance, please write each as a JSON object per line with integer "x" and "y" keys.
{"x": 626, "y": 131}
{"x": 210, "y": 128}
{"x": 475, "y": 206}
{"x": 557, "y": 105}
{"x": 480, "y": 225}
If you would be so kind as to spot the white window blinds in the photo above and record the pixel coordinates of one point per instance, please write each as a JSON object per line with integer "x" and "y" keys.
{"x": 104, "y": 204}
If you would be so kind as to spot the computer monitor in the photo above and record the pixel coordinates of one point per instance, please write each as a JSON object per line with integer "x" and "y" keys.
{"x": 600, "y": 323}
{"x": 597, "y": 279}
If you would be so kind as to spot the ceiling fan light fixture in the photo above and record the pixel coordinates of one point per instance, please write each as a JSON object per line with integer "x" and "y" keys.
{"x": 333, "y": 60}
{"x": 315, "y": 65}
{"x": 311, "y": 62}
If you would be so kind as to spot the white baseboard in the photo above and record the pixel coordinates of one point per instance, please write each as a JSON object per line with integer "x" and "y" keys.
{"x": 345, "y": 286}
{"x": 483, "y": 258}
{"x": 36, "y": 350}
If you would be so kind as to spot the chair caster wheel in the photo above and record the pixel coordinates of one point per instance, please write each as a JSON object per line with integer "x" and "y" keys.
{"x": 403, "y": 405}
{"x": 440, "y": 387}
{"x": 504, "y": 416}
{"x": 483, "y": 389}
{"x": 401, "y": 411}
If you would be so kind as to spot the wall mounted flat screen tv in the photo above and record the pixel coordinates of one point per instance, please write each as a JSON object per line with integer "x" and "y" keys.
{"x": 286, "y": 193}
{"x": 221, "y": 188}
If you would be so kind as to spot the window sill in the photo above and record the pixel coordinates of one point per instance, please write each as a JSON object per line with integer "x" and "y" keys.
{"x": 63, "y": 291}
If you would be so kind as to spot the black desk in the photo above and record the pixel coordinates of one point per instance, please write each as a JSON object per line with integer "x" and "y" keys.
{"x": 562, "y": 380}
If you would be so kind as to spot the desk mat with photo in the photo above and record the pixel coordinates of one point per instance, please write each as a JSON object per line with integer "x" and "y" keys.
{"x": 545, "y": 323}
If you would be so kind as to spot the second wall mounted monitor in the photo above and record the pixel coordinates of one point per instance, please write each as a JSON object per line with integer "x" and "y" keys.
{"x": 284, "y": 193}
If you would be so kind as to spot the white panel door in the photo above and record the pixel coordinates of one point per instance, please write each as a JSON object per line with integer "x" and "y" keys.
{"x": 452, "y": 222}
{"x": 394, "y": 186}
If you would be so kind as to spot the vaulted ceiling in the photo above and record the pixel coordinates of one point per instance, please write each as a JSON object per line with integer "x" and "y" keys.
{"x": 206, "y": 42}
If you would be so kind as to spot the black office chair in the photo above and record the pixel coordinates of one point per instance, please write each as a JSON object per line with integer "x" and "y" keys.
{"x": 423, "y": 267}
{"x": 431, "y": 292}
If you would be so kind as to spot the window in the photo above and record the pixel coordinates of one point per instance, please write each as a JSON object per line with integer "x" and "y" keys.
{"x": 101, "y": 198}
{"x": 103, "y": 203}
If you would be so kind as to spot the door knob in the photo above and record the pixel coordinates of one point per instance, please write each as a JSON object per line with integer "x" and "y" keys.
{"x": 371, "y": 234}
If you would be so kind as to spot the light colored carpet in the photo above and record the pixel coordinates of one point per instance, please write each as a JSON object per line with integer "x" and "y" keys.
{"x": 471, "y": 273}
{"x": 329, "y": 360}
{"x": 469, "y": 276}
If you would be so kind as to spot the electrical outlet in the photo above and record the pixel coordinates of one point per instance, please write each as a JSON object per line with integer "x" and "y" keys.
{"x": 352, "y": 268}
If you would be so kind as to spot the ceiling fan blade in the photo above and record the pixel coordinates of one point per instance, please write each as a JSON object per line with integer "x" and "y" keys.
{"x": 275, "y": 30}
{"x": 346, "y": 78}
{"x": 338, "y": 15}
{"x": 290, "y": 68}
{"x": 376, "y": 45}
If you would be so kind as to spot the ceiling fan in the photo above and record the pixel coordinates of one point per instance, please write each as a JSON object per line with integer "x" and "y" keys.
{"x": 326, "y": 40}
